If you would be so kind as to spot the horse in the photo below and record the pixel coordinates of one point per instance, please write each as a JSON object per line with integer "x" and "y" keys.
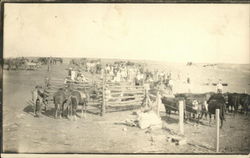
{"x": 216, "y": 101}
{"x": 77, "y": 98}
{"x": 60, "y": 98}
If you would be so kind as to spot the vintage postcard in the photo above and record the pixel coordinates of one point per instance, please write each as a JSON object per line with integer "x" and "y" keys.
{"x": 132, "y": 78}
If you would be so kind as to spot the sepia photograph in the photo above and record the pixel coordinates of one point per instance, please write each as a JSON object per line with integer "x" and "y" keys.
{"x": 130, "y": 78}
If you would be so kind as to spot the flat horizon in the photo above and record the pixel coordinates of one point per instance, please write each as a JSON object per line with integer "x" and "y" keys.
{"x": 125, "y": 59}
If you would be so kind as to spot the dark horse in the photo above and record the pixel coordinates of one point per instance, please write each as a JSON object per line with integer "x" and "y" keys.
{"x": 217, "y": 101}
{"x": 77, "y": 98}
{"x": 60, "y": 98}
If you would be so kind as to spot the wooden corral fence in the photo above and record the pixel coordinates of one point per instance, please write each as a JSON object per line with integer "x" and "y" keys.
{"x": 51, "y": 86}
{"x": 107, "y": 96}
{"x": 122, "y": 95}
{"x": 95, "y": 89}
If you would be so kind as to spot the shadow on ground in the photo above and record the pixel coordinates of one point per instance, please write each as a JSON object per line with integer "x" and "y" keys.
{"x": 50, "y": 111}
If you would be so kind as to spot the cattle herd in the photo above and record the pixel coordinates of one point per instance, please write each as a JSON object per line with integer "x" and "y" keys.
{"x": 206, "y": 104}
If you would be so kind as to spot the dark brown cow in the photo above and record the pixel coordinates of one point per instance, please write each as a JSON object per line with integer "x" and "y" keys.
{"x": 196, "y": 104}
{"x": 170, "y": 104}
{"x": 244, "y": 102}
{"x": 233, "y": 102}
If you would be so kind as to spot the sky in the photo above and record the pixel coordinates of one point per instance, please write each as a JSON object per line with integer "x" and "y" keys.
{"x": 207, "y": 33}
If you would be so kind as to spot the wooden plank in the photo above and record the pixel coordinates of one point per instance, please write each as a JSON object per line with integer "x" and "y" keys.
{"x": 127, "y": 104}
{"x": 128, "y": 97}
{"x": 94, "y": 103}
{"x": 125, "y": 87}
{"x": 124, "y": 102}
{"x": 126, "y": 92}
{"x": 56, "y": 86}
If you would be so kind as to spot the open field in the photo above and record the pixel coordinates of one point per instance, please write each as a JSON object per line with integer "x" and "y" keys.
{"x": 24, "y": 133}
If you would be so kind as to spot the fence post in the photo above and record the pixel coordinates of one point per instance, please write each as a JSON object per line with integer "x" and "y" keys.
{"x": 158, "y": 102}
{"x": 103, "y": 108}
{"x": 181, "y": 116}
{"x": 217, "y": 130}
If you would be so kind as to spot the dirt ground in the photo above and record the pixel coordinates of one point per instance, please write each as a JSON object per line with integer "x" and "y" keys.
{"x": 24, "y": 133}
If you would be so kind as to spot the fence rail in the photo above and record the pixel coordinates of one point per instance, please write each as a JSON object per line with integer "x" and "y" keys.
{"x": 122, "y": 94}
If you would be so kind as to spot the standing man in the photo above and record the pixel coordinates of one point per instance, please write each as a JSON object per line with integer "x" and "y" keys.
{"x": 219, "y": 87}
{"x": 171, "y": 85}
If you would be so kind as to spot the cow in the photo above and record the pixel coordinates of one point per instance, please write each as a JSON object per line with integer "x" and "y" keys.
{"x": 196, "y": 104}
{"x": 244, "y": 101}
{"x": 170, "y": 104}
{"x": 77, "y": 98}
{"x": 232, "y": 104}
{"x": 216, "y": 101}
{"x": 238, "y": 101}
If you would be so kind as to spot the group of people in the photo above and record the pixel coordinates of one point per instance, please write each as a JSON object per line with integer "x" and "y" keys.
{"x": 75, "y": 75}
{"x": 137, "y": 75}
{"x": 120, "y": 72}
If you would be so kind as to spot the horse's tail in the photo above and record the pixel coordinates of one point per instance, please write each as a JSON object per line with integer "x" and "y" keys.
{"x": 74, "y": 101}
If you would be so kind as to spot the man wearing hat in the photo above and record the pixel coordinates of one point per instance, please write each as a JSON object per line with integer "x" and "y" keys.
{"x": 219, "y": 87}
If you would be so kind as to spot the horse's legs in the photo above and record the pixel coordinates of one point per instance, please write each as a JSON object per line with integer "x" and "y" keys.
{"x": 197, "y": 118}
{"x": 71, "y": 113}
{"x": 201, "y": 115}
{"x": 85, "y": 109}
{"x": 56, "y": 110}
{"x": 37, "y": 107}
{"x": 67, "y": 112}
{"x": 210, "y": 117}
{"x": 234, "y": 111}
{"x": 63, "y": 114}
{"x": 221, "y": 121}
{"x": 74, "y": 113}
{"x": 60, "y": 112}
{"x": 206, "y": 115}
{"x": 45, "y": 102}
{"x": 82, "y": 109}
